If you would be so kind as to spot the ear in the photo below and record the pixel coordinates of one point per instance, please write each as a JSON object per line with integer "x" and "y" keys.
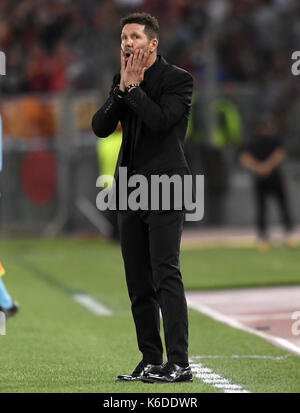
{"x": 153, "y": 45}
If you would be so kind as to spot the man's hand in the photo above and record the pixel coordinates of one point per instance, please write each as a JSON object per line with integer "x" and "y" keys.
{"x": 275, "y": 159}
{"x": 123, "y": 67}
{"x": 263, "y": 169}
{"x": 134, "y": 71}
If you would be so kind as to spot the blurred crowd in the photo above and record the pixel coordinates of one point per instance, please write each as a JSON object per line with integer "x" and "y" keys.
{"x": 52, "y": 45}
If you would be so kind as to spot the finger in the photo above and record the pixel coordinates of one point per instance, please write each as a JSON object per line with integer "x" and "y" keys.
{"x": 141, "y": 56}
{"x": 129, "y": 62}
{"x": 139, "y": 62}
{"x": 135, "y": 57}
{"x": 122, "y": 61}
{"x": 144, "y": 58}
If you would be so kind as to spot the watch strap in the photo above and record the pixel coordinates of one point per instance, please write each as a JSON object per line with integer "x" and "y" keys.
{"x": 131, "y": 86}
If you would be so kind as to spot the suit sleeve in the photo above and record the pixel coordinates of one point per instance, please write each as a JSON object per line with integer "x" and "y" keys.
{"x": 175, "y": 102}
{"x": 106, "y": 119}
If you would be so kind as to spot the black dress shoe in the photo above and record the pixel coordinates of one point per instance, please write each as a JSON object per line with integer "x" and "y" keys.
{"x": 170, "y": 373}
{"x": 141, "y": 370}
{"x": 10, "y": 311}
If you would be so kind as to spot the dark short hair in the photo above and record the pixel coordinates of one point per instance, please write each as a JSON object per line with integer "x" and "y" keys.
{"x": 150, "y": 22}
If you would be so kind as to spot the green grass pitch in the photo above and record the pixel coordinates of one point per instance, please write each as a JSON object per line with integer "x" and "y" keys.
{"x": 56, "y": 345}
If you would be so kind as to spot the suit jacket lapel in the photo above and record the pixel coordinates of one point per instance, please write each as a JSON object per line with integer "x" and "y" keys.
{"x": 153, "y": 82}
{"x": 151, "y": 85}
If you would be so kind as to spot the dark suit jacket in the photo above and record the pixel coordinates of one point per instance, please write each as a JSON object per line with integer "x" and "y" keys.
{"x": 162, "y": 104}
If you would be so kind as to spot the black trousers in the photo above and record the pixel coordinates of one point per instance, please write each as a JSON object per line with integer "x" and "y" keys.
{"x": 272, "y": 186}
{"x": 150, "y": 243}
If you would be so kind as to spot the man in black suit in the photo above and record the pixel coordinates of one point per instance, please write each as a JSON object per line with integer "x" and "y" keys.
{"x": 263, "y": 156}
{"x": 152, "y": 100}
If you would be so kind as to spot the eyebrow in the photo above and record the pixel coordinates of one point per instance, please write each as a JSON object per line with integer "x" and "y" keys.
{"x": 136, "y": 33}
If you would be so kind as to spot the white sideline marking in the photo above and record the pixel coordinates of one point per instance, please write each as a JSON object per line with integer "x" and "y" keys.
{"x": 91, "y": 304}
{"x": 235, "y": 356}
{"x": 210, "y": 377}
{"x": 278, "y": 341}
{"x": 266, "y": 316}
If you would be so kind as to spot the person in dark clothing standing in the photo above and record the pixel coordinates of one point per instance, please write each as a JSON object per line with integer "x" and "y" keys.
{"x": 263, "y": 156}
{"x": 152, "y": 100}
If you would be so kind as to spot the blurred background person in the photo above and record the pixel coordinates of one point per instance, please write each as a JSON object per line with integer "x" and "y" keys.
{"x": 7, "y": 305}
{"x": 263, "y": 156}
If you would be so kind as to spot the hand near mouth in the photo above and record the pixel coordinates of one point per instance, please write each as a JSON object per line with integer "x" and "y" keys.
{"x": 123, "y": 67}
{"x": 124, "y": 60}
{"x": 133, "y": 71}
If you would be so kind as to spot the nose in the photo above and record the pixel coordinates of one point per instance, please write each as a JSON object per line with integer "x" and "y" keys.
{"x": 128, "y": 43}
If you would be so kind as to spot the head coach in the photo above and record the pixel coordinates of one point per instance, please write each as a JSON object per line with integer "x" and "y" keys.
{"x": 152, "y": 100}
